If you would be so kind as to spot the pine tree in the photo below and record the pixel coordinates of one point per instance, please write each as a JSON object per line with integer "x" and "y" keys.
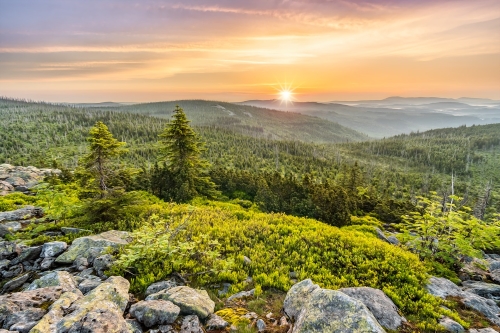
{"x": 103, "y": 148}
{"x": 186, "y": 173}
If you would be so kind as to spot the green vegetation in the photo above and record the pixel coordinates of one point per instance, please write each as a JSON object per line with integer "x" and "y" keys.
{"x": 289, "y": 206}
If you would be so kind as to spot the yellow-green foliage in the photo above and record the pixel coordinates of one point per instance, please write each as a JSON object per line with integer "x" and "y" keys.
{"x": 276, "y": 244}
{"x": 233, "y": 316}
{"x": 14, "y": 201}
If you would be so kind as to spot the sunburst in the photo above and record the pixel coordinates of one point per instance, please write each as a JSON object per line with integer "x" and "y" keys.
{"x": 286, "y": 93}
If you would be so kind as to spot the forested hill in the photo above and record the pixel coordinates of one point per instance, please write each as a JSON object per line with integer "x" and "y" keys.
{"x": 253, "y": 121}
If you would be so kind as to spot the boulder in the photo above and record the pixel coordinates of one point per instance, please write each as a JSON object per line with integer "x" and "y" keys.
{"x": 191, "y": 324}
{"x": 37, "y": 298}
{"x": 442, "y": 287}
{"x": 494, "y": 265}
{"x": 486, "y": 307}
{"x": 327, "y": 311}
{"x": 381, "y": 235}
{"x": 215, "y": 323}
{"x": 134, "y": 326}
{"x": 28, "y": 254}
{"x": 88, "y": 285}
{"x": 381, "y": 306}
{"x": 101, "y": 310}
{"x": 393, "y": 240}
{"x": 260, "y": 325}
{"x": 189, "y": 300}
{"x": 296, "y": 295}
{"x": 487, "y": 290}
{"x": 482, "y": 330}
{"x": 25, "y": 213}
{"x": 451, "y": 326}
{"x": 155, "y": 312}
{"x": 495, "y": 275}
{"x": 53, "y": 249}
{"x": 81, "y": 246}
{"x": 103, "y": 263}
{"x": 9, "y": 250}
{"x": 159, "y": 286}
{"x": 16, "y": 283}
{"x": 23, "y": 321}
{"x": 56, "y": 312}
{"x": 47, "y": 263}
{"x": 67, "y": 230}
{"x": 57, "y": 278}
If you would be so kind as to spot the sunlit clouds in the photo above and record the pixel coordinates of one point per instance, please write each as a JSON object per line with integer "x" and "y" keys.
{"x": 152, "y": 50}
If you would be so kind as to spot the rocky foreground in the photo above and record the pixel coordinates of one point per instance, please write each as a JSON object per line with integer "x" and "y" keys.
{"x": 21, "y": 179}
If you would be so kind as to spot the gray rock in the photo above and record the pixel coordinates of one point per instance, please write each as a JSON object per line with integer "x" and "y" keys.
{"x": 67, "y": 230}
{"x": 191, "y": 324}
{"x": 57, "y": 278}
{"x": 487, "y": 290}
{"x": 47, "y": 263}
{"x": 8, "y": 250}
{"x": 28, "y": 318}
{"x": 189, "y": 300}
{"x": 88, "y": 285}
{"x": 296, "y": 297}
{"x": 134, "y": 326}
{"x": 442, "y": 287}
{"x": 25, "y": 213}
{"x": 215, "y": 323}
{"x": 247, "y": 260}
{"x": 487, "y": 307}
{"x": 164, "y": 329}
{"x": 16, "y": 283}
{"x": 53, "y": 249}
{"x": 13, "y": 271}
{"x": 450, "y": 325}
{"x": 393, "y": 240}
{"x": 327, "y": 311}
{"x": 482, "y": 330}
{"x": 81, "y": 246}
{"x": 103, "y": 263}
{"x": 7, "y": 309}
{"x": 494, "y": 265}
{"x": 95, "y": 252}
{"x": 260, "y": 325}
{"x": 101, "y": 310}
{"x": 155, "y": 312}
{"x": 159, "y": 286}
{"x": 11, "y": 227}
{"x": 56, "y": 312}
{"x": 80, "y": 263}
{"x": 381, "y": 235}
{"x": 241, "y": 294}
{"x": 28, "y": 254}
{"x": 4, "y": 231}
{"x": 495, "y": 275}
{"x": 381, "y": 306}
{"x": 4, "y": 264}
{"x": 33, "y": 298}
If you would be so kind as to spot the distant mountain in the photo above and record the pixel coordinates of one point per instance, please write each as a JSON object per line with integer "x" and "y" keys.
{"x": 251, "y": 120}
{"x": 96, "y": 105}
{"x": 394, "y": 115}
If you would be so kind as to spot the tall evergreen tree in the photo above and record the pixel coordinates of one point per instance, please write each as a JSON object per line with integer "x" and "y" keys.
{"x": 185, "y": 173}
{"x": 103, "y": 147}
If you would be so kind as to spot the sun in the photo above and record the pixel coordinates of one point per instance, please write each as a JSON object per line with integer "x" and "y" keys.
{"x": 285, "y": 93}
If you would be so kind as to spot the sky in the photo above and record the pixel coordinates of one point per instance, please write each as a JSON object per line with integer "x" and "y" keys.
{"x": 235, "y": 50}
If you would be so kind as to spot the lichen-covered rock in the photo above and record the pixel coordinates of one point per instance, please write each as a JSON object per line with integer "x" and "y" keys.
{"x": 442, "y": 287}
{"x": 25, "y": 213}
{"x": 102, "y": 264}
{"x": 260, "y": 325}
{"x": 88, "y": 285}
{"x": 37, "y": 298}
{"x": 56, "y": 312}
{"x": 53, "y": 249}
{"x": 381, "y": 306}
{"x": 101, "y": 310}
{"x": 7, "y": 309}
{"x": 134, "y": 326}
{"x": 16, "y": 283}
{"x": 28, "y": 254}
{"x": 328, "y": 311}
{"x": 189, "y": 300}
{"x": 495, "y": 275}
{"x": 215, "y": 323}
{"x": 191, "y": 324}
{"x": 241, "y": 294}
{"x": 8, "y": 250}
{"x": 296, "y": 296}
{"x": 23, "y": 321}
{"x": 159, "y": 286}
{"x": 155, "y": 312}
{"x": 57, "y": 278}
{"x": 482, "y": 330}
{"x": 81, "y": 246}
{"x": 451, "y": 326}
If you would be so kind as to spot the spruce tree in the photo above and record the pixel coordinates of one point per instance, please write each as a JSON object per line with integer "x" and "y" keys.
{"x": 103, "y": 148}
{"x": 185, "y": 172}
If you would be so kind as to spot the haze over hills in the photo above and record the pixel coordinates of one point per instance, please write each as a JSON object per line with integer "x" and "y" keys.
{"x": 396, "y": 115}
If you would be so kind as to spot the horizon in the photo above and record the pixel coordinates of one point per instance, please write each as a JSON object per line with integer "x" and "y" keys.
{"x": 322, "y": 51}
